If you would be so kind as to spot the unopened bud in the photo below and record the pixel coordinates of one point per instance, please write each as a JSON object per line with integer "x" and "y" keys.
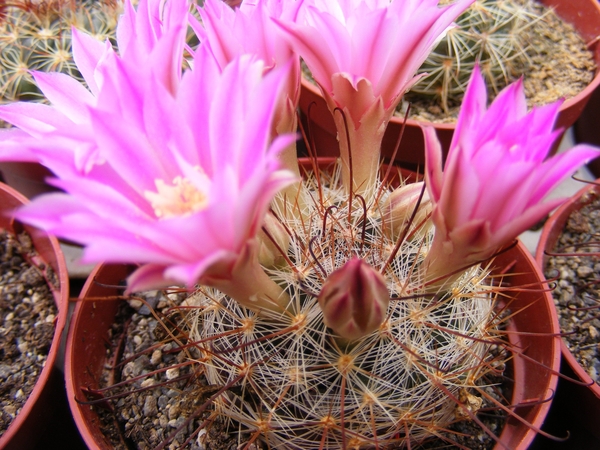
{"x": 399, "y": 207}
{"x": 354, "y": 299}
{"x": 273, "y": 240}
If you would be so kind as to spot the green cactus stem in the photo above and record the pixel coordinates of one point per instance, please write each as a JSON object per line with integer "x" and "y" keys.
{"x": 512, "y": 46}
{"x": 491, "y": 32}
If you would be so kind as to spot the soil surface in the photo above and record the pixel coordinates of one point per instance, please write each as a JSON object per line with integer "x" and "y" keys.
{"x": 577, "y": 292}
{"x": 162, "y": 387}
{"x": 27, "y": 315}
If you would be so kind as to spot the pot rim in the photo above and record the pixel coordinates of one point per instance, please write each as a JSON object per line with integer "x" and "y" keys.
{"x": 50, "y": 252}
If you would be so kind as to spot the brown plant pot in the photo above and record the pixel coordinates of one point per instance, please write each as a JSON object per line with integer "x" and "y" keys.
{"x": 534, "y": 371}
{"x": 42, "y": 410}
{"x": 583, "y": 404}
{"x": 585, "y": 130}
{"x": 584, "y": 15}
{"x": 28, "y": 178}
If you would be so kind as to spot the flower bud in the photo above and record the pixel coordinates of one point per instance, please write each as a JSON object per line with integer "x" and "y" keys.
{"x": 354, "y": 299}
{"x": 269, "y": 254}
{"x": 398, "y": 208}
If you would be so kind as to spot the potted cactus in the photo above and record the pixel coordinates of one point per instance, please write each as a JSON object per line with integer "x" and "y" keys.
{"x": 94, "y": 321}
{"x": 34, "y": 272}
{"x": 583, "y": 15}
{"x": 327, "y": 304}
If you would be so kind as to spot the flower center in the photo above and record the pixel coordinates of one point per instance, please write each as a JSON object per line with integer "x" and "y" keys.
{"x": 181, "y": 198}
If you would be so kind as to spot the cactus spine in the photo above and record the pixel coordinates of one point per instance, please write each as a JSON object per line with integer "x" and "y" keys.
{"x": 303, "y": 386}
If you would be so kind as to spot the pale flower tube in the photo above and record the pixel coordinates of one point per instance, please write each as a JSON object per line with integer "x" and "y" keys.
{"x": 364, "y": 55}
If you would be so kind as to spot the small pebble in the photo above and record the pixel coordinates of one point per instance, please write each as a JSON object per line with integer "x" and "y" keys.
{"x": 156, "y": 357}
{"x": 584, "y": 271}
{"x": 150, "y": 408}
{"x": 148, "y": 382}
{"x": 172, "y": 373}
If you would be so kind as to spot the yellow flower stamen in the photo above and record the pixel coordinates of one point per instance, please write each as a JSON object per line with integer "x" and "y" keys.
{"x": 182, "y": 198}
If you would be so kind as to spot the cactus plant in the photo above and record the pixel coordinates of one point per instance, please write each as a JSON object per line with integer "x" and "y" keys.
{"x": 305, "y": 387}
{"x": 187, "y": 200}
{"x": 36, "y": 35}
{"x": 491, "y": 32}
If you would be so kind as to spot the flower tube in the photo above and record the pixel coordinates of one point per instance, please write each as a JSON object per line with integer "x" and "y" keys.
{"x": 364, "y": 55}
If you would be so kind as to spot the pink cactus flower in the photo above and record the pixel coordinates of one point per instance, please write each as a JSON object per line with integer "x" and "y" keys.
{"x": 496, "y": 176}
{"x": 354, "y": 299}
{"x": 249, "y": 29}
{"x": 364, "y": 55}
{"x": 177, "y": 191}
{"x": 149, "y": 39}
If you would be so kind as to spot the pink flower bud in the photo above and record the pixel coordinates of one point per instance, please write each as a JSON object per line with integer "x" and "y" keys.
{"x": 354, "y": 299}
{"x": 398, "y": 208}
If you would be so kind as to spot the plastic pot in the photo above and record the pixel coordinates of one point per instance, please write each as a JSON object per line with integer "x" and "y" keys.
{"x": 585, "y": 130}
{"x": 28, "y": 178}
{"x": 584, "y": 15}
{"x": 42, "y": 410}
{"x": 582, "y": 406}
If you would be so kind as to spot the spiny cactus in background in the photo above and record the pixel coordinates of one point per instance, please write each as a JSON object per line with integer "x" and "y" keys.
{"x": 493, "y": 32}
{"x": 36, "y": 35}
{"x": 305, "y": 386}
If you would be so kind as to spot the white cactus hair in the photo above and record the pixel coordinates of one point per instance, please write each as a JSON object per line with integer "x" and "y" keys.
{"x": 304, "y": 388}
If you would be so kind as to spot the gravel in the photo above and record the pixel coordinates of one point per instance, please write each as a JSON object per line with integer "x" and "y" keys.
{"x": 577, "y": 292}
{"x": 27, "y": 315}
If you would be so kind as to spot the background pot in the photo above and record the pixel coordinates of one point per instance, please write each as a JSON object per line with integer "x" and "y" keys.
{"x": 28, "y": 178}
{"x": 583, "y": 14}
{"x": 585, "y": 130}
{"x": 45, "y": 410}
{"x": 535, "y": 372}
{"x": 581, "y": 407}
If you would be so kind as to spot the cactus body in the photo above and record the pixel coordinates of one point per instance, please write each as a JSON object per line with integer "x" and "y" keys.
{"x": 491, "y": 32}
{"x": 304, "y": 386}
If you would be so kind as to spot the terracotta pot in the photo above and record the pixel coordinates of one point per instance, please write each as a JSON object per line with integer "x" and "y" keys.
{"x": 28, "y": 178}
{"x": 585, "y": 130}
{"x": 85, "y": 353}
{"x": 42, "y": 410}
{"x": 535, "y": 372}
{"x": 584, "y": 401}
{"x": 583, "y": 14}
